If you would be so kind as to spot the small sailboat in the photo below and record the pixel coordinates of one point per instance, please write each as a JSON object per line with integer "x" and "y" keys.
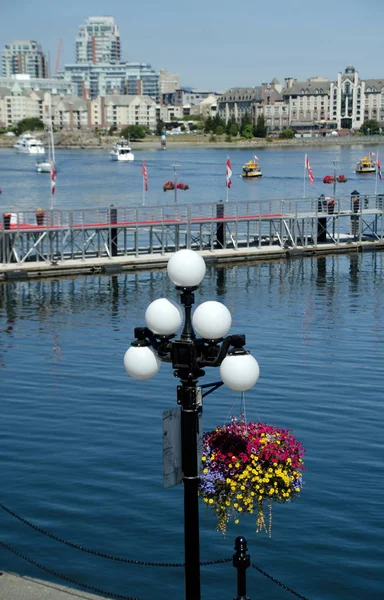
{"x": 45, "y": 165}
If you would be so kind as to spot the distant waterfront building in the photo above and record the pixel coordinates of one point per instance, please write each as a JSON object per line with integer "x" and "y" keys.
{"x": 265, "y": 99}
{"x": 126, "y": 78}
{"x": 184, "y": 96}
{"x": 18, "y": 104}
{"x": 119, "y": 111}
{"x": 168, "y": 82}
{"x": 26, "y": 82}
{"x": 342, "y": 104}
{"x": 98, "y": 41}
{"x": 24, "y": 57}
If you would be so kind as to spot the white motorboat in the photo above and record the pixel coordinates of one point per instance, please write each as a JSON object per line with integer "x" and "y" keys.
{"x": 122, "y": 151}
{"x": 27, "y": 144}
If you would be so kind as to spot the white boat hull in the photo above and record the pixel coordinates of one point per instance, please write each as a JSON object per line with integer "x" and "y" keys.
{"x": 44, "y": 166}
{"x": 123, "y": 157}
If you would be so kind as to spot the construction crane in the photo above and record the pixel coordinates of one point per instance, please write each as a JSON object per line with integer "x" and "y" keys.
{"x": 58, "y": 55}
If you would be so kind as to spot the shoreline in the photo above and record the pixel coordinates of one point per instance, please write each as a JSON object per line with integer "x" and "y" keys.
{"x": 86, "y": 141}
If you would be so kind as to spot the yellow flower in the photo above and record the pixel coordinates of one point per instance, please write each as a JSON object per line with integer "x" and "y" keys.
{"x": 235, "y": 504}
{"x": 239, "y": 509}
{"x": 204, "y": 458}
{"x": 205, "y": 499}
{"x": 205, "y": 470}
{"x": 297, "y": 489}
{"x": 210, "y": 501}
{"x": 237, "y": 465}
{"x": 237, "y": 521}
{"x": 242, "y": 487}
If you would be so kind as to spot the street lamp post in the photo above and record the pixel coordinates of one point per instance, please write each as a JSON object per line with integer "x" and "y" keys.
{"x": 189, "y": 356}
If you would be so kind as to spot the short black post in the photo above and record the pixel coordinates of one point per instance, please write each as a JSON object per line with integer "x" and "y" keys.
{"x": 241, "y": 562}
{"x": 355, "y": 208}
{"x": 321, "y": 230}
{"x": 220, "y": 231}
{"x": 113, "y": 230}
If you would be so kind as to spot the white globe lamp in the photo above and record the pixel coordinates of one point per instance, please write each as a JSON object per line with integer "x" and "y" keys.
{"x": 239, "y": 372}
{"x": 212, "y": 320}
{"x": 140, "y": 362}
{"x": 186, "y": 268}
{"x": 164, "y": 317}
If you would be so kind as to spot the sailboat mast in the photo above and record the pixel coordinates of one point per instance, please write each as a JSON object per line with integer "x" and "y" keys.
{"x": 52, "y": 144}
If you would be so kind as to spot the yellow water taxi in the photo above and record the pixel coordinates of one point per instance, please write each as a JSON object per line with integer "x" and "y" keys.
{"x": 251, "y": 169}
{"x": 366, "y": 165}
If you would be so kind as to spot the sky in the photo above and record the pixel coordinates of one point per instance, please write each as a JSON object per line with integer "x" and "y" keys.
{"x": 216, "y": 44}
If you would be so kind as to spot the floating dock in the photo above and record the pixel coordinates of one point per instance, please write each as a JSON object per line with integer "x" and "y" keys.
{"x": 131, "y": 238}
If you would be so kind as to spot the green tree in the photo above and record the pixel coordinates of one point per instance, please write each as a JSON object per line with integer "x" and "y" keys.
{"x": 160, "y": 126}
{"x": 234, "y": 130}
{"x": 219, "y": 130}
{"x": 208, "y": 125}
{"x": 134, "y": 132}
{"x": 31, "y": 124}
{"x": 247, "y": 131}
{"x": 286, "y": 134}
{"x": 229, "y": 124}
{"x": 371, "y": 126}
{"x": 260, "y": 130}
{"x": 245, "y": 122}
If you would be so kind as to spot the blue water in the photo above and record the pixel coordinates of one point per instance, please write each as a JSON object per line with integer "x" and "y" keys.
{"x": 88, "y": 178}
{"x": 81, "y": 444}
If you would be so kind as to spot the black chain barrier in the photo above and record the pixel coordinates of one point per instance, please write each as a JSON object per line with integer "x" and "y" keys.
{"x": 119, "y": 559}
{"x": 102, "y": 554}
{"x": 64, "y": 577}
{"x": 288, "y": 589}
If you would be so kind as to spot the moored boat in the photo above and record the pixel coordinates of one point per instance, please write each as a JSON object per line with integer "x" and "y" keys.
{"x": 27, "y": 144}
{"x": 251, "y": 169}
{"x": 366, "y": 165}
{"x": 122, "y": 151}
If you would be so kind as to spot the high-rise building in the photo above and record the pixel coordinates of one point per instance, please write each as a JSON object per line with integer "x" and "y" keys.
{"x": 98, "y": 41}
{"x": 24, "y": 57}
{"x": 105, "y": 79}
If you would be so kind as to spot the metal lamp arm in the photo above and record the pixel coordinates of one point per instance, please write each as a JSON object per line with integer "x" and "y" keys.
{"x": 234, "y": 341}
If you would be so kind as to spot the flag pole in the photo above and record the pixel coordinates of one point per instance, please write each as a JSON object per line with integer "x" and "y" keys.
{"x": 143, "y": 191}
{"x": 305, "y": 165}
{"x": 376, "y": 172}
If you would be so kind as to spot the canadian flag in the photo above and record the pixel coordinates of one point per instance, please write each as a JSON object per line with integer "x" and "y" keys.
{"x": 229, "y": 173}
{"x": 309, "y": 170}
{"x": 255, "y": 157}
{"x": 53, "y": 179}
{"x": 372, "y": 154}
{"x": 145, "y": 176}
{"x": 378, "y": 164}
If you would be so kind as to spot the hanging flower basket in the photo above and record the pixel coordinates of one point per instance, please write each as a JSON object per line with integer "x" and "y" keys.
{"x": 248, "y": 465}
{"x": 168, "y": 185}
{"x": 328, "y": 179}
{"x": 182, "y": 186}
{"x": 341, "y": 179}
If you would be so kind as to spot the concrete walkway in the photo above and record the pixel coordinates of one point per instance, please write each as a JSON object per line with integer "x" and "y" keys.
{"x": 16, "y": 587}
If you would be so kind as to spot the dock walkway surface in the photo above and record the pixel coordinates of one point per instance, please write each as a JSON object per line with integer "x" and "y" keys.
{"x": 17, "y": 587}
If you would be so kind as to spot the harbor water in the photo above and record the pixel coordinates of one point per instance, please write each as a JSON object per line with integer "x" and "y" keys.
{"x": 81, "y": 444}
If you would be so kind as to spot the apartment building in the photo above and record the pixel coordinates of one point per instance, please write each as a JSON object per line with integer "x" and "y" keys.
{"x": 17, "y": 104}
{"x": 98, "y": 41}
{"x": 129, "y": 78}
{"x": 24, "y": 57}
